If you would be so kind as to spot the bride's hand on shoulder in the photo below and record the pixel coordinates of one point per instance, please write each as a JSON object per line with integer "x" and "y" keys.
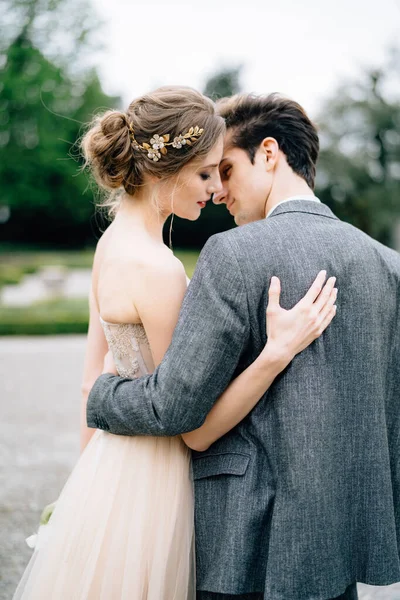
{"x": 290, "y": 331}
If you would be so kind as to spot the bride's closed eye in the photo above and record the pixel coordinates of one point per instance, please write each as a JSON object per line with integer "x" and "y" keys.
{"x": 205, "y": 176}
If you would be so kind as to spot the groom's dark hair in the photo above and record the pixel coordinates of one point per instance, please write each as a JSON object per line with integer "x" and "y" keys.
{"x": 252, "y": 118}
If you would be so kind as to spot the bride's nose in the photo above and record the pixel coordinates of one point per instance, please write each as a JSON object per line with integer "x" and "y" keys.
{"x": 216, "y": 186}
{"x": 220, "y": 197}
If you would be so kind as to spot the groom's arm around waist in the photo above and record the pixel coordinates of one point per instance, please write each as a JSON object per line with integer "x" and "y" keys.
{"x": 212, "y": 331}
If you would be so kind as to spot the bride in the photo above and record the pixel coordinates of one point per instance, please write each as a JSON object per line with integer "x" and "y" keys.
{"x": 122, "y": 528}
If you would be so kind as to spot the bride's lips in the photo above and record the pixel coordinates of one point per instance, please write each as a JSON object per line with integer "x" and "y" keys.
{"x": 202, "y": 204}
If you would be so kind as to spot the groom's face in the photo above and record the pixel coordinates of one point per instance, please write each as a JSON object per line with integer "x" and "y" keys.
{"x": 245, "y": 185}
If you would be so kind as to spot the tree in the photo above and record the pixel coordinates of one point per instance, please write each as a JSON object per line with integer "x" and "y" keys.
{"x": 63, "y": 30}
{"x": 43, "y": 107}
{"x": 223, "y": 84}
{"x": 359, "y": 166}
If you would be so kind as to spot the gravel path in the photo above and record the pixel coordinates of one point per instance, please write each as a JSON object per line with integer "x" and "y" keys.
{"x": 40, "y": 440}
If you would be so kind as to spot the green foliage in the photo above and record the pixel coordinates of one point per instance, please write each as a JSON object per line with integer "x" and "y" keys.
{"x": 223, "y": 84}
{"x": 13, "y": 274}
{"x": 30, "y": 260}
{"x": 46, "y": 318}
{"x": 43, "y": 106}
{"x": 359, "y": 166}
{"x": 61, "y": 29}
{"x": 189, "y": 259}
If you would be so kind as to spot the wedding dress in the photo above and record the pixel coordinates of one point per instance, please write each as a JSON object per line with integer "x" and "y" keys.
{"x": 122, "y": 528}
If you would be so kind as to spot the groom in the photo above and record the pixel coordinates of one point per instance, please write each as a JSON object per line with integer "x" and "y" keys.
{"x": 302, "y": 499}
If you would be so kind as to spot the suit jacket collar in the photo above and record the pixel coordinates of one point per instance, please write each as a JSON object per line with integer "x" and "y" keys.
{"x": 304, "y": 206}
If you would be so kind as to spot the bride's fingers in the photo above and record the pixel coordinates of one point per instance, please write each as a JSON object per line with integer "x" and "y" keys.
{"x": 274, "y": 294}
{"x": 325, "y": 294}
{"x": 328, "y": 318}
{"x": 315, "y": 289}
{"x": 327, "y": 307}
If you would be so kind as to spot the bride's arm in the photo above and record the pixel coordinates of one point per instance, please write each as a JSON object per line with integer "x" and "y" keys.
{"x": 289, "y": 332}
{"x": 96, "y": 349}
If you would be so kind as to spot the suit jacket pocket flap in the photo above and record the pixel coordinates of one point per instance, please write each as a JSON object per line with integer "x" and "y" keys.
{"x": 232, "y": 463}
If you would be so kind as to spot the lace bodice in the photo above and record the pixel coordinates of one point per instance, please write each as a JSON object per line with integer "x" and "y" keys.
{"x": 130, "y": 348}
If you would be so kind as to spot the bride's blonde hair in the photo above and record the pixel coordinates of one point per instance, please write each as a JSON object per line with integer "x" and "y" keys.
{"x": 109, "y": 144}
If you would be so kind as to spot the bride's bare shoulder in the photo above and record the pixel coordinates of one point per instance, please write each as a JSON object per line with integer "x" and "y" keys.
{"x": 131, "y": 271}
{"x": 160, "y": 262}
{"x": 137, "y": 254}
{"x": 101, "y": 246}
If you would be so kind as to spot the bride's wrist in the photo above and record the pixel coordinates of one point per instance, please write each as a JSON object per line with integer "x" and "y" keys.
{"x": 276, "y": 356}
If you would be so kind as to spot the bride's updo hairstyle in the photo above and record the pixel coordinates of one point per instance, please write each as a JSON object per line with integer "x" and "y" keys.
{"x": 118, "y": 147}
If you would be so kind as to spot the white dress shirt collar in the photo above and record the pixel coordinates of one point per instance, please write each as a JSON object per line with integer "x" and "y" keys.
{"x": 302, "y": 197}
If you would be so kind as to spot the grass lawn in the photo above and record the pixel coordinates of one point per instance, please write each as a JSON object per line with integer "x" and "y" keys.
{"x": 45, "y": 318}
{"x": 57, "y": 316}
{"x": 14, "y": 264}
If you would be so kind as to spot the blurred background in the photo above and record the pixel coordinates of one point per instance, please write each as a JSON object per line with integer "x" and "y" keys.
{"x": 61, "y": 61}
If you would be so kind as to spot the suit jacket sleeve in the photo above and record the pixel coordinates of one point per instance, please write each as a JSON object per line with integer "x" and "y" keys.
{"x": 212, "y": 331}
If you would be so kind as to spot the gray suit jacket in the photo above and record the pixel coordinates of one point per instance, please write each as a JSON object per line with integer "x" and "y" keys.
{"x": 302, "y": 497}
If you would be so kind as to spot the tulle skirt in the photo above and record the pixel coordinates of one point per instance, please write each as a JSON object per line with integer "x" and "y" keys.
{"x": 122, "y": 528}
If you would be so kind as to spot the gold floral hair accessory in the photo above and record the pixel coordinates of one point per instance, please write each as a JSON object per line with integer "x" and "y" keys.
{"x": 158, "y": 143}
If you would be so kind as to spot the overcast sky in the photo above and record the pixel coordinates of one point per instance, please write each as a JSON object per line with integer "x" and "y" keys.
{"x": 300, "y": 48}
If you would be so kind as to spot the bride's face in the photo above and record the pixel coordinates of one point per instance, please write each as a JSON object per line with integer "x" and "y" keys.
{"x": 188, "y": 193}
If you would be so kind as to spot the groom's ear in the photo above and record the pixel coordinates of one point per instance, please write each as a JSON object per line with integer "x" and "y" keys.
{"x": 270, "y": 151}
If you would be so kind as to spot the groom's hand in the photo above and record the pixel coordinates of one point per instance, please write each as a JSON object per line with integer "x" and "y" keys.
{"x": 109, "y": 364}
